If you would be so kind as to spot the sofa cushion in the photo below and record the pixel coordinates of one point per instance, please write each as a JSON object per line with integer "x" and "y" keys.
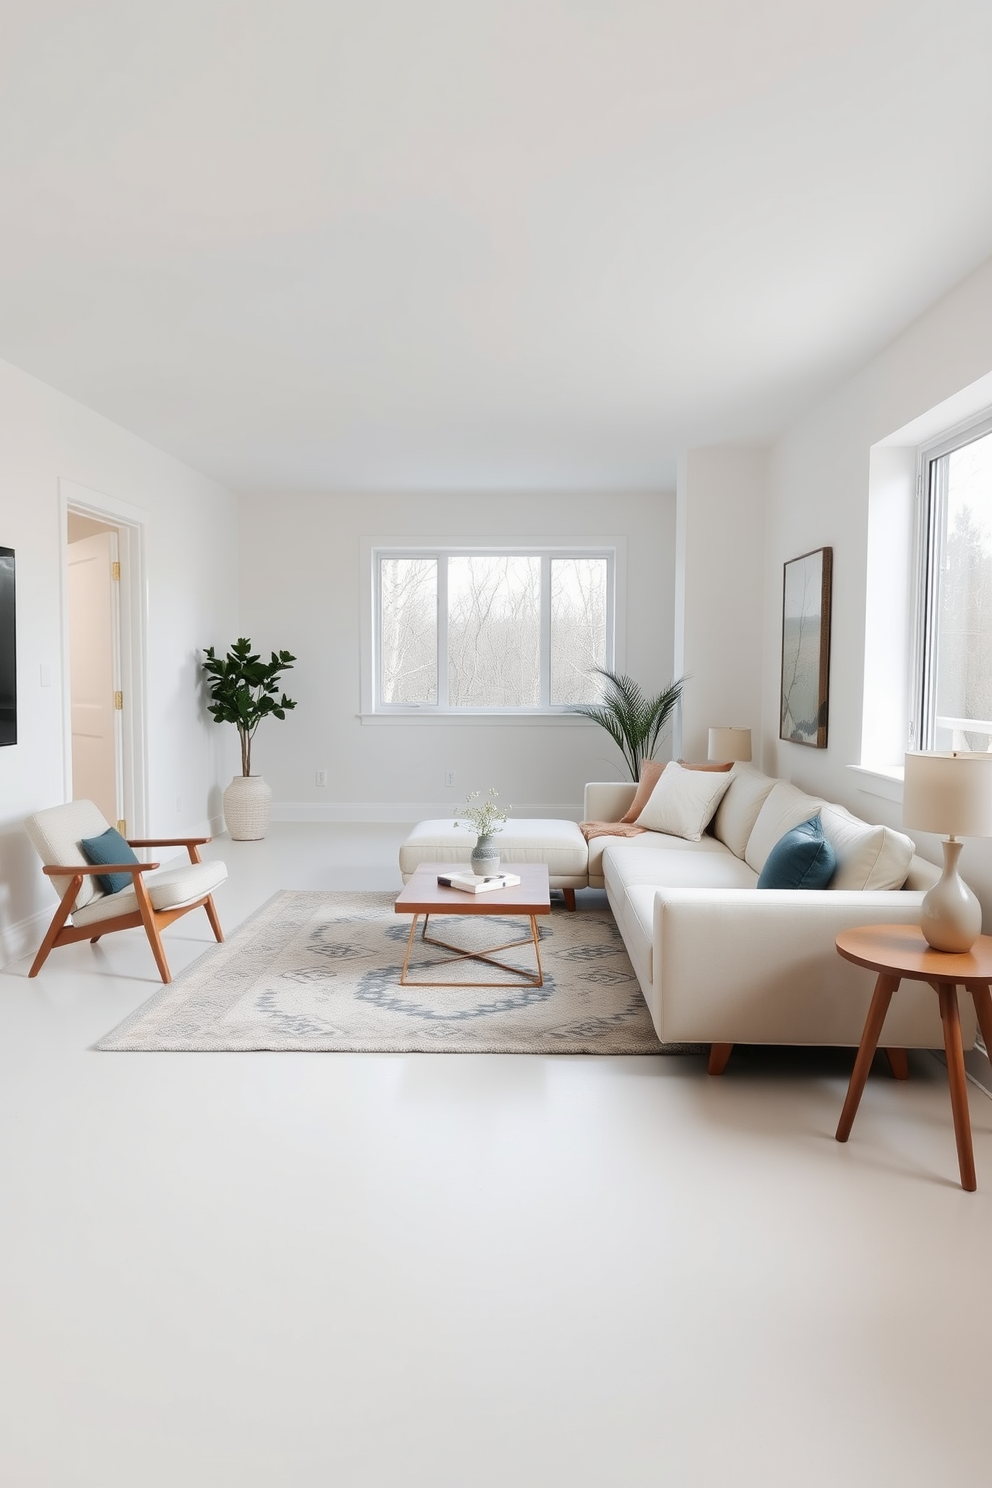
{"x": 867, "y": 857}
{"x": 674, "y": 864}
{"x": 683, "y": 802}
{"x": 784, "y": 808}
{"x": 738, "y": 811}
{"x": 802, "y": 859}
{"x": 168, "y": 888}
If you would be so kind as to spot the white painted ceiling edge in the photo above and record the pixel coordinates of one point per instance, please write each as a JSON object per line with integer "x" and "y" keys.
{"x": 512, "y": 244}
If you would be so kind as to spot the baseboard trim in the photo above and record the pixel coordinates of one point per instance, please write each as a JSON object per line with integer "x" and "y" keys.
{"x": 23, "y": 938}
{"x": 404, "y": 812}
{"x": 977, "y": 1068}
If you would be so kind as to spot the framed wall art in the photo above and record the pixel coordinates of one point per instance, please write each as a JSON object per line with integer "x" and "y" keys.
{"x": 806, "y": 648}
{"x": 8, "y": 649}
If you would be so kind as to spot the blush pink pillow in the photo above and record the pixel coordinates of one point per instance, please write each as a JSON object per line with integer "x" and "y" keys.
{"x": 650, "y": 775}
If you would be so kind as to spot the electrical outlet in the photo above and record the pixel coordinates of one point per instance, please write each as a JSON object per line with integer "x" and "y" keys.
{"x": 449, "y": 778}
{"x": 321, "y": 777}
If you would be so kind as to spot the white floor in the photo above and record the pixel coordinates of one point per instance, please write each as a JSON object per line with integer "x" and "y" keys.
{"x": 328, "y": 1269}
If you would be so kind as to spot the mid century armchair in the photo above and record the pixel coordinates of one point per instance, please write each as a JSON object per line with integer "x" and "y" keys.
{"x": 151, "y": 900}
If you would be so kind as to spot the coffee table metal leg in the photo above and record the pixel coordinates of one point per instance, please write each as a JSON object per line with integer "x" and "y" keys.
{"x": 537, "y": 951}
{"x": 948, "y": 995}
{"x": 409, "y": 948}
{"x": 881, "y": 997}
{"x": 522, "y": 978}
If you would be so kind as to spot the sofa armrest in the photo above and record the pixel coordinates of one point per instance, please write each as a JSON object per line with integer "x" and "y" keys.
{"x": 761, "y": 966}
{"x": 607, "y": 800}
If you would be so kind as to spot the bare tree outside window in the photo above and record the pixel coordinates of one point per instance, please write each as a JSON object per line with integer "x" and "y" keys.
{"x": 408, "y": 630}
{"x": 493, "y": 630}
{"x": 579, "y": 594}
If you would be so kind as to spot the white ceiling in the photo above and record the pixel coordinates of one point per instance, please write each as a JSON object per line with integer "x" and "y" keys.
{"x": 404, "y": 244}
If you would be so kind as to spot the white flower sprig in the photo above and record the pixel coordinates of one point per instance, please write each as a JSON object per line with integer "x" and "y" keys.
{"x": 484, "y": 819}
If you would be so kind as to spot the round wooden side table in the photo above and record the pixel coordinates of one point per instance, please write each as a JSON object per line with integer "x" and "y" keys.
{"x": 897, "y": 951}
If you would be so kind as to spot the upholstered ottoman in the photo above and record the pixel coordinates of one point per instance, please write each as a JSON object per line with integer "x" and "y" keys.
{"x": 560, "y": 844}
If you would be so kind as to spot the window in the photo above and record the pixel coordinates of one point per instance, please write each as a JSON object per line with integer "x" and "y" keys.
{"x": 512, "y": 631}
{"x": 954, "y": 688}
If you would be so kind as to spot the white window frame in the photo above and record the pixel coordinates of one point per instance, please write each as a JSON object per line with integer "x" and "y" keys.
{"x": 375, "y": 549}
{"x": 930, "y": 533}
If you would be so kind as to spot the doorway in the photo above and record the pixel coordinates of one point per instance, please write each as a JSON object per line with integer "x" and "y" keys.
{"x": 95, "y": 692}
{"x": 103, "y": 651}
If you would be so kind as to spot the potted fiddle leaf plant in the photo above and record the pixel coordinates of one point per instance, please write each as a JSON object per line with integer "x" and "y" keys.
{"x": 243, "y": 690}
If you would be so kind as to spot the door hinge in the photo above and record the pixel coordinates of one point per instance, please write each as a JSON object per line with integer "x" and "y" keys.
{"x": 122, "y": 827}
{"x": 115, "y": 570}
{"x": 118, "y": 702}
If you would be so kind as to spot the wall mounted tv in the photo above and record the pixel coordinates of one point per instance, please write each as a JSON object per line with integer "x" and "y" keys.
{"x": 8, "y": 650}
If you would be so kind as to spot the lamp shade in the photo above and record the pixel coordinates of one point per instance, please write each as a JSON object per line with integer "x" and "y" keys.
{"x": 950, "y": 794}
{"x": 729, "y": 744}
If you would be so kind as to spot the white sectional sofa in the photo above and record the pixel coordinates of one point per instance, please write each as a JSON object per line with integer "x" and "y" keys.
{"x": 722, "y": 962}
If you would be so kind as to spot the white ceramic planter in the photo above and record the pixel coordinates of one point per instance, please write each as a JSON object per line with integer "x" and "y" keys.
{"x": 246, "y": 808}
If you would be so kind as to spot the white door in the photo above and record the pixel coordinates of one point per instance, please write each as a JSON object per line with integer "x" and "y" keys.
{"x": 93, "y": 630}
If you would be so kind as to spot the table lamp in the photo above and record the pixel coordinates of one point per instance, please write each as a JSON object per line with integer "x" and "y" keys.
{"x": 949, "y": 794}
{"x": 729, "y": 744}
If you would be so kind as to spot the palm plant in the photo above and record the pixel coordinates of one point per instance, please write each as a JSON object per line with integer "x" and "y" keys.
{"x": 633, "y": 721}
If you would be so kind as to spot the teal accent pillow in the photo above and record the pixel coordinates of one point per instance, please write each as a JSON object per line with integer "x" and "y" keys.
{"x": 802, "y": 859}
{"x": 109, "y": 847}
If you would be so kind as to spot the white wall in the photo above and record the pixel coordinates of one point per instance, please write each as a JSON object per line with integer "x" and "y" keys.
{"x": 721, "y": 554}
{"x": 191, "y": 555}
{"x": 818, "y": 495}
{"x": 301, "y": 589}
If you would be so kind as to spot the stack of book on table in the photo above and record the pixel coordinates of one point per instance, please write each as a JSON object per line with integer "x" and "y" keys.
{"x": 475, "y": 883}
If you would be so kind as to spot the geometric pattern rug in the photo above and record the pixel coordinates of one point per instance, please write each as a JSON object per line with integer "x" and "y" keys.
{"x": 321, "y": 971}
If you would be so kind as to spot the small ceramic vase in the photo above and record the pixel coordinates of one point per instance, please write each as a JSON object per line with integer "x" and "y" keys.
{"x": 485, "y": 857}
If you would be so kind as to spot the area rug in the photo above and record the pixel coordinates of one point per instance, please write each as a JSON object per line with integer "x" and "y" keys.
{"x": 321, "y": 971}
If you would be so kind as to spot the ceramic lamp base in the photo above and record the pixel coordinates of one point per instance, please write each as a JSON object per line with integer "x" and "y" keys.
{"x": 950, "y": 915}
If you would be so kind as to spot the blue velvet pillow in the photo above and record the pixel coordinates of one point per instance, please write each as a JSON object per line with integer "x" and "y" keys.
{"x": 109, "y": 847}
{"x": 802, "y": 859}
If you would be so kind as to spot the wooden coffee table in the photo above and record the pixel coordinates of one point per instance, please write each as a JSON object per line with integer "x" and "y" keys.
{"x": 897, "y": 951}
{"x": 423, "y": 895}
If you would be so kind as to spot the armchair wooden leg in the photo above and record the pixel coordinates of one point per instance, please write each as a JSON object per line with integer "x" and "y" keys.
{"x": 151, "y": 929}
{"x": 55, "y": 928}
{"x": 213, "y": 917}
{"x": 719, "y": 1054}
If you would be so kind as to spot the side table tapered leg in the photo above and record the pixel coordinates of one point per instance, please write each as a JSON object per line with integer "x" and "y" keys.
{"x": 881, "y": 997}
{"x": 947, "y": 992}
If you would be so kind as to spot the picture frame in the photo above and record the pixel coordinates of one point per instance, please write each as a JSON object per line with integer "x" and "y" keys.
{"x": 8, "y": 649}
{"x": 806, "y": 590}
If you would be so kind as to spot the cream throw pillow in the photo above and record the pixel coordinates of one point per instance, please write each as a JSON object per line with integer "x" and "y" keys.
{"x": 867, "y": 857}
{"x": 784, "y": 807}
{"x": 683, "y": 802}
{"x": 738, "y": 811}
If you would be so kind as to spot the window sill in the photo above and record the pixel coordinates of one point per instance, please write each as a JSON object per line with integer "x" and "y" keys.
{"x": 501, "y": 720}
{"x": 879, "y": 780}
